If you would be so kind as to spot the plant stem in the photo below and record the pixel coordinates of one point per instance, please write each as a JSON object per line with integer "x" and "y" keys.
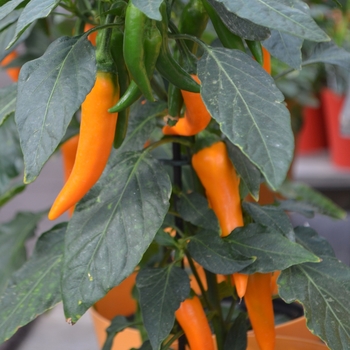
{"x": 218, "y": 322}
{"x": 190, "y": 37}
{"x": 172, "y": 339}
{"x": 177, "y": 173}
{"x": 199, "y": 281}
{"x": 282, "y": 74}
{"x": 166, "y": 140}
{"x": 230, "y": 311}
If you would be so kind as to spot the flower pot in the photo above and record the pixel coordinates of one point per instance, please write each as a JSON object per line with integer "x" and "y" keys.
{"x": 332, "y": 104}
{"x": 295, "y": 328}
{"x": 288, "y": 343}
{"x": 312, "y": 136}
{"x": 292, "y": 335}
{"x": 118, "y": 301}
{"x": 124, "y": 340}
{"x": 127, "y": 339}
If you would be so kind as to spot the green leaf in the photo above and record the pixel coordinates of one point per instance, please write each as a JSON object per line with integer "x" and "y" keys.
{"x": 35, "y": 287}
{"x": 9, "y": 19}
{"x": 142, "y": 121}
{"x": 13, "y": 235}
{"x": 276, "y": 15}
{"x": 34, "y": 10}
{"x": 8, "y": 8}
{"x": 46, "y": 104}
{"x": 164, "y": 239}
{"x": 11, "y": 158}
{"x": 239, "y": 26}
{"x": 118, "y": 324}
{"x": 7, "y": 101}
{"x": 309, "y": 197}
{"x": 322, "y": 288}
{"x": 272, "y": 250}
{"x": 146, "y": 346}
{"x": 246, "y": 103}
{"x": 327, "y": 53}
{"x": 215, "y": 254}
{"x": 10, "y": 191}
{"x": 324, "y": 291}
{"x": 150, "y": 8}
{"x": 111, "y": 228}
{"x": 297, "y": 207}
{"x": 285, "y": 47}
{"x": 312, "y": 241}
{"x": 7, "y": 34}
{"x": 237, "y": 335}
{"x": 248, "y": 172}
{"x": 161, "y": 292}
{"x": 194, "y": 208}
{"x": 271, "y": 216}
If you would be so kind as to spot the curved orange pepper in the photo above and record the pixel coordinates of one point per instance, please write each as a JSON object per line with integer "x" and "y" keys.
{"x": 260, "y": 309}
{"x": 69, "y": 151}
{"x": 13, "y": 72}
{"x": 218, "y": 176}
{"x": 92, "y": 37}
{"x": 196, "y": 117}
{"x": 95, "y": 143}
{"x": 194, "y": 323}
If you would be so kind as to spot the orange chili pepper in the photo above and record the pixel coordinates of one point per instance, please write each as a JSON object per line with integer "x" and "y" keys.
{"x": 194, "y": 323}
{"x": 218, "y": 176}
{"x": 95, "y": 143}
{"x": 69, "y": 151}
{"x": 196, "y": 117}
{"x": 260, "y": 309}
{"x": 14, "y": 71}
{"x": 274, "y": 286}
{"x": 267, "y": 60}
{"x": 92, "y": 37}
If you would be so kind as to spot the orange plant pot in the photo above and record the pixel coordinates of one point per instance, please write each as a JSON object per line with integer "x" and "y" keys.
{"x": 118, "y": 301}
{"x": 288, "y": 343}
{"x": 125, "y": 340}
{"x": 291, "y": 335}
{"x": 296, "y": 328}
{"x": 312, "y": 136}
{"x": 332, "y": 104}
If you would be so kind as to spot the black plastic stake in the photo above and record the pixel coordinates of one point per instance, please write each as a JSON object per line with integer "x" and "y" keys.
{"x": 177, "y": 172}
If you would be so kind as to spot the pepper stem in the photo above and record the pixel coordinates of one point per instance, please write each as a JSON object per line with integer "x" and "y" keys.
{"x": 104, "y": 59}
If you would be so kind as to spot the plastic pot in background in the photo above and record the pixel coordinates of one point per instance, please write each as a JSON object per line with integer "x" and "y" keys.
{"x": 339, "y": 145}
{"x": 288, "y": 343}
{"x": 118, "y": 301}
{"x": 312, "y": 136}
{"x": 291, "y": 334}
{"x": 127, "y": 339}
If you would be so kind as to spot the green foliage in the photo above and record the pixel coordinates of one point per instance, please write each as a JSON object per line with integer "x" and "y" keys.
{"x": 42, "y": 125}
{"x": 243, "y": 102}
{"x": 35, "y": 287}
{"x": 161, "y": 292}
{"x": 148, "y": 212}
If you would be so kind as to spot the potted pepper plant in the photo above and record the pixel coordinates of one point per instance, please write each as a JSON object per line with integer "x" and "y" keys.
{"x": 179, "y": 120}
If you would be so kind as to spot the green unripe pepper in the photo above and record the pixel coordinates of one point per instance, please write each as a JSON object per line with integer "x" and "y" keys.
{"x": 133, "y": 48}
{"x": 227, "y": 38}
{"x": 193, "y": 21}
{"x": 166, "y": 64}
{"x": 151, "y": 42}
{"x": 256, "y": 50}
